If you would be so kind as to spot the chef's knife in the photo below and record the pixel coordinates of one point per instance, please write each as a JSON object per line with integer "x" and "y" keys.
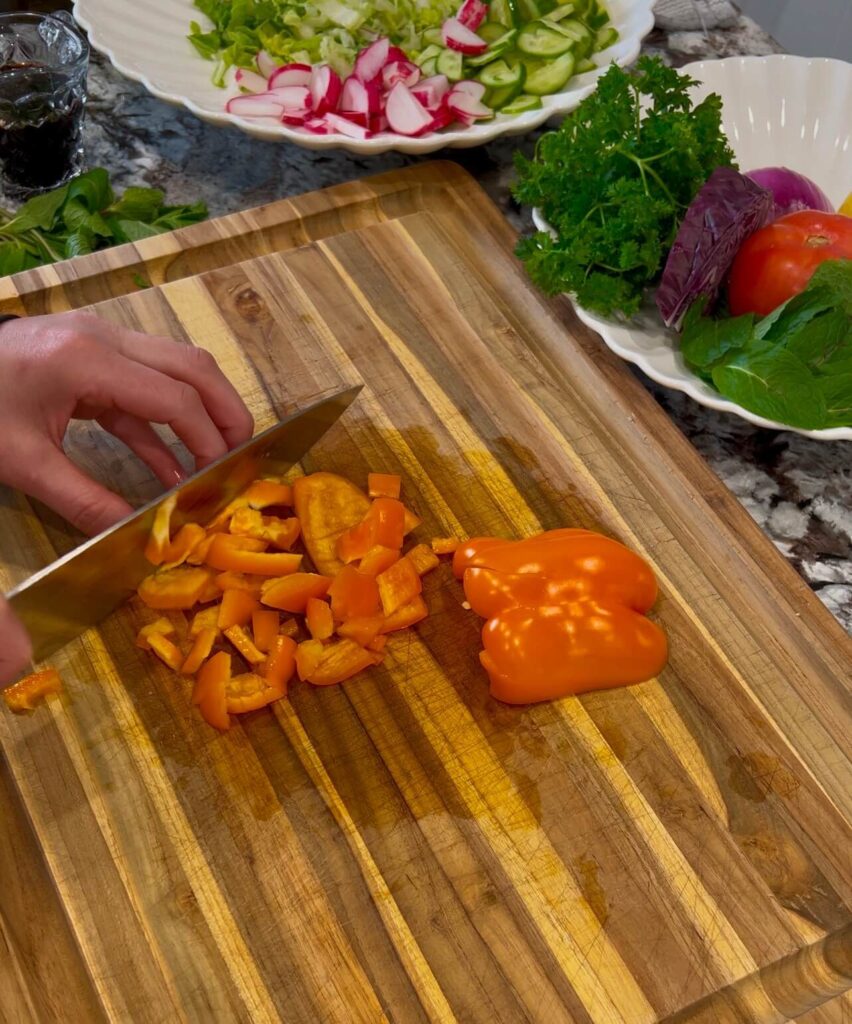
{"x": 78, "y": 591}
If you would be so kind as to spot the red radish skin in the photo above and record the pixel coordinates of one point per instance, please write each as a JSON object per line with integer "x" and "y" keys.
{"x": 474, "y": 89}
{"x": 267, "y": 65}
{"x": 360, "y": 98}
{"x": 254, "y": 106}
{"x": 317, "y": 126}
{"x": 250, "y": 81}
{"x": 406, "y": 115}
{"x": 472, "y": 13}
{"x": 462, "y": 103}
{"x": 296, "y": 117}
{"x": 458, "y": 37}
{"x": 404, "y": 71}
{"x": 344, "y": 126}
{"x": 370, "y": 61}
{"x": 292, "y": 97}
{"x": 325, "y": 89}
{"x": 290, "y": 74}
{"x": 394, "y": 53}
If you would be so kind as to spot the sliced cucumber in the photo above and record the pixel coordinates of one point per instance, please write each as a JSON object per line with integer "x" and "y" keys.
{"x": 500, "y": 75}
{"x": 491, "y": 31}
{"x": 606, "y": 37}
{"x": 596, "y": 17}
{"x": 581, "y": 38}
{"x": 538, "y": 39}
{"x": 429, "y": 67}
{"x": 529, "y": 10}
{"x": 522, "y": 104}
{"x": 504, "y": 12}
{"x": 497, "y": 49}
{"x": 434, "y": 37}
{"x": 450, "y": 63}
{"x": 584, "y": 65}
{"x": 430, "y": 53}
{"x": 558, "y": 13}
{"x": 548, "y": 78}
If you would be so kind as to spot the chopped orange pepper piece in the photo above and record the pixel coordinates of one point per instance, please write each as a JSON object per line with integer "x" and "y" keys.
{"x": 410, "y": 522}
{"x": 319, "y": 618}
{"x": 174, "y": 588}
{"x": 445, "y": 545}
{"x": 423, "y": 558}
{"x": 398, "y": 586}
{"x": 409, "y": 615}
{"x": 236, "y": 608}
{"x": 353, "y": 595}
{"x": 377, "y": 644}
{"x": 282, "y": 663}
{"x": 250, "y": 692}
{"x": 258, "y": 495}
{"x": 200, "y": 650}
{"x": 234, "y": 542}
{"x": 186, "y": 541}
{"x": 264, "y": 628}
{"x": 223, "y": 556}
{"x": 210, "y": 690}
{"x": 362, "y": 630}
{"x": 383, "y": 525}
{"x": 239, "y": 581}
{"x": 211, "y": 592}
{"x": 340, "y": 660}
{"x": 291, "y": 593}
{"x": 308, "y": 656}
{"x": 290, "y": 627}
{"x": 243, "y": 643}
{"x": 162, "y": 626}
{"x": 207, "y": 618}
{"x": 166, "y": 651}
{"x": 198, "y": 556}
{"x": 384, "y": 485}
{"x": 327, "y": 506}
{"x": 29, "y": 691}
{"x": 158, "y": 542}
{"x": 377, "y": 560}
{"x": 281, "y": 533}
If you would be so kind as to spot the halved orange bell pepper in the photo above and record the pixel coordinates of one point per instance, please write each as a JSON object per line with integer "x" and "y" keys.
{"x": 384, "y": 485}
{"x": 243, "y": 642}
{"x": 239, "y": 581}
{"x": 291, "y": 593}
{"x": 281, "y": 533}
{"x": 445, "y": 545}
{"x": 377, "y": 560}
{"x": 423, "y": 558}
{"x": 162, "y": 626}
{"x": 319, "y": 618}
{"x": 250, "y": 692}
{"x": 409, "y": 615}
{"x": 282, "y": 663}
{"x": 207, "y": 618}
{"x": 236, "y": 609}
{"x": 362, "y": 630}
{"x": 186, "y": 541}
{"x": 340, "y": 661}
{"x": 353, "y": 595}
{"x": 160, "y": 538}
{"x": 264, "y": 628}
{"x": 398, "y": 586}
{"x": 327, "y": 506}
{"x": 178, "y": 588}
{"x": 210, "y": 690}
{"x": 308, "y": 656}
{"x": 31, "y": 690}
{"x": 166, "y": 651}
{"x": 224, "y": 555}
{"x": 200, "y": 652}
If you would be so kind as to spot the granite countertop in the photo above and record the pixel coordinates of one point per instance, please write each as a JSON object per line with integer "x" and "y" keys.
{"x": 797, "y": 489}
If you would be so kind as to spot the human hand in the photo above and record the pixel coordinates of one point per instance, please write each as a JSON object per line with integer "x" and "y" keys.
{"x": 15, "y": 648}
{"x": 76, "y": 366}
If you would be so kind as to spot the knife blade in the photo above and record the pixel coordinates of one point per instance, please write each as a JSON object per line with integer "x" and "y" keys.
{"x": 79, "y": 590}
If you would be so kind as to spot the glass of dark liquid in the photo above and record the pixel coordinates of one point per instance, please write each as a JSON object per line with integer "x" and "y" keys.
{"x": 44, "y": 59}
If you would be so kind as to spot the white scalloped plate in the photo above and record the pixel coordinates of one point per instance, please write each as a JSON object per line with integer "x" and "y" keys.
{"x": 146, "y": 41}
{"x": 777, "y": 111}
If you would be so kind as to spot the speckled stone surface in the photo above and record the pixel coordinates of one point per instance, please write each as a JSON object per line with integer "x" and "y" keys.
{"x": 798, "y": 490}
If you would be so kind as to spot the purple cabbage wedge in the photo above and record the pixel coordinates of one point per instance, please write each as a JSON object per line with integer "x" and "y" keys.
{"x": 728, "y": 208}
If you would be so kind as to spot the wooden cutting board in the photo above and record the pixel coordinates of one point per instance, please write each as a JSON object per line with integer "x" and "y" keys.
{"x": 402, "y": 847}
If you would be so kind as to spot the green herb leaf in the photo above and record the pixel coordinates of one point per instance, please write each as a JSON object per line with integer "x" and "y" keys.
{"x": 138, "y": 204}
{"x": 76, "y": 215}
{"x": 38, "y": 212}
{"x": 171, "y": 217}
{"x": 133, "y": 230}
{"x": 80, "y": 243}
{"x": 706, "y": 342}
{"x": 775, "y": 385}
{"x": 93, "y": 188}
{"x": 837, "y": 394}
{"x": 14, "y": 258}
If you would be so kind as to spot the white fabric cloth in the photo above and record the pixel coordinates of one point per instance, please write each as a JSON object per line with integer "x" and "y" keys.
{"x": 692, "y": 15}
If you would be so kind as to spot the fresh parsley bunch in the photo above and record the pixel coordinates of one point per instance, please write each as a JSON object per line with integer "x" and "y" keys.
{"x": 82, "y": 217}
{"x": 614, "y": 181}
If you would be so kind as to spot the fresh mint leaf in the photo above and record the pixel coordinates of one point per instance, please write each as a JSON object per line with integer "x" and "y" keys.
{"x": 38, "y": 212}
{"x": 822, "y": 341}
{"x": 836, "y": 277}
{"x": 141, "y": 282}
{"x": 93, "y": 189}
{"x": 706, "y": 342}
{"x": 80, "y": 243}
{"x": 133, "y": 230}
{"x": 837, "y": 394}
{"x": 776, "y": 385}
{"x": 14, "y": 258}
{"x": 76, "y": 215}
{"x": 138, "y": 204}
{"x": 171, "y": 217}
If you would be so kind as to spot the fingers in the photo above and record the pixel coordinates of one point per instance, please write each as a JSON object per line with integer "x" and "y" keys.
{"x": 141, "y": 438}
{"x": 67, "y": 490}
{"x": 196, "y": 367}
{"x": 15, "y": 648}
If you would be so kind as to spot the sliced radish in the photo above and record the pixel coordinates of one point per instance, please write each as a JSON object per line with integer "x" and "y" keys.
{"x": 464, "y": 105}
{"x": 359, "y": 97}
{"x": 296, "y": 117}
{"x": 457, "y": 37}
{"x": 404, "y": 71}
{"x": 431, "y": 91}
{"x": 378, "y": 123}
{"x": 371, "y": 60}
{"x": 290, "y": 74}
{"x": 255, "y": 106}
{"x": 293, "y": 97}
{"x": 266, "y": 64}
{"x": 346, "y": 127}
{"x": 394, "y": 53}
{"x": 474, "y": 89}
{"x": 317, "y": 126}
{"x": 472, "y": 14}
{"x": 406, "y": 114}
{"x": 250, "y": 81}
{"x": 443, "y": 117}
{"x": 325, "y": 89}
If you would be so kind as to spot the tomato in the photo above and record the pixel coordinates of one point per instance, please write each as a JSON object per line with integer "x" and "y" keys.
{"x": 777, "y": 262}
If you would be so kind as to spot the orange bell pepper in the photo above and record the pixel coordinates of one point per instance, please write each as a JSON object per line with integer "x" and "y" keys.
{"x": 291, "y": 593}
{"x": 327, "y": 506}
{"x": 410, "y": 522}
{"x": 423, "y": 558}
{"x": 31, "y": 690}
{"x": 362, "y": 630}
{"x": 178, "y": 588}
{"x": 198, "y": 555}
{"x": 207, "y": 618}
{"x": 383, "y": 525}
{"x": 162, "y": 626}
{"x": 353, "y": 595}
{"x": 224, "y": 555}
{"x": 236, "y": 609}
{"x": 281, "y": 533}
{"x": 158, "y": 542}
{"x": 166, "y": 651}
{"x": 282, "y": 663}
{"x": 250, "y": 692}
{"x": 308, "y": 656}
{"x": 377, "y": 644}
{"x": 210, "y": 690}
{"x": 258, "y": 495}
{"x": 264, "y": 628}
{"x": 340, "y": 661}
{"x": 211, "y": 592}
{"x": 244, "y": 644}
{"x": 408, "y": 615}
{"x": 289, "y": 627}
{"x": 200, "y": 652}
{"x": 319, "y": 618}
{"x": 384, "y": 485}
{"x": 398, "y": 586}
{"x": 239, "y": 581}
{"x": 186, "y": 541}
{"x": 445, "y": 545}
{"x": 377, "y": 560}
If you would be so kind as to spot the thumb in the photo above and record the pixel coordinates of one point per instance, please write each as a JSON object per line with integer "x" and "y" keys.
{"x": 15, "y": 647}
{"x": 66, "y": 489}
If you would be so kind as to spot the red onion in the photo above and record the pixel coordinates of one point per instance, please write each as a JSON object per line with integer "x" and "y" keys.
{"x": 791, "y": 191}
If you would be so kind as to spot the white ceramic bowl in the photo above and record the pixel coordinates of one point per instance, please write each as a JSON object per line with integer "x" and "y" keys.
{"x": 777, "y": 111}
{"x": 146, "y": 40}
